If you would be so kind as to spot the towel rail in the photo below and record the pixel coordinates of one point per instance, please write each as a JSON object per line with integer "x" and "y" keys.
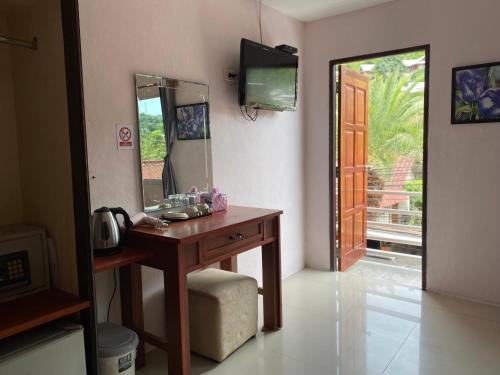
{"x": 31, "y": 44}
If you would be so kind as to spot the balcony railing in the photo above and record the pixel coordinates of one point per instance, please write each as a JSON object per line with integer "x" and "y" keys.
{"x": 397, "y": 225}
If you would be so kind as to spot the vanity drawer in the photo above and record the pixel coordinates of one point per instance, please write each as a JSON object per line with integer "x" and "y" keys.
{"x": 237, "y": 237}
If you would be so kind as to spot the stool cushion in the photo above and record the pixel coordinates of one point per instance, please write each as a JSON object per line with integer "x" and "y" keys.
{"x": 222, "y": 312}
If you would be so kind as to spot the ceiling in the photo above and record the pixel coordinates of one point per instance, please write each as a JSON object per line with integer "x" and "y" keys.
{"x": 304, "y": 10}
{"x": 311, "y": 10}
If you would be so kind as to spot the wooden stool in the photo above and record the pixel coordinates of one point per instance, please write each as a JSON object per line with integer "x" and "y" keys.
{"x": 222, "y": 312}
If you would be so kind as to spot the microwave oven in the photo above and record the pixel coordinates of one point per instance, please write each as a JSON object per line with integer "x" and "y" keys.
{"x": 24, "y": 261}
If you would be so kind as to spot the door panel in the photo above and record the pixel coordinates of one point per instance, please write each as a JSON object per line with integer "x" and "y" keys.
{"x": 360, "y": 107}
{"x": 349, "y": 149}
{"x": 360, "y": 193}
{"x": 358, "y": 228}
{"x": 349, "y": 231}
{"x": 359, "y": 148}
{"x": 349, "y": 111}
{"x": 349, "y": 192}
{"x": 353, "y": 157}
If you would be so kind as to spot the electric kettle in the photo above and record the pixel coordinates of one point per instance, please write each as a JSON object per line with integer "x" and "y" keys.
{"x": 106, "y": 235}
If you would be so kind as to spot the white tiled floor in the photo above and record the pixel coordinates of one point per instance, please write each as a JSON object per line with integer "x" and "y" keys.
{"x": 385, "y": 271}
{"x": 357, "y": 323}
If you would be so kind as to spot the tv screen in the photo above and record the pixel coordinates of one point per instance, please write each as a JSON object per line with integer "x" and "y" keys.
{"x": 268, "y": 77}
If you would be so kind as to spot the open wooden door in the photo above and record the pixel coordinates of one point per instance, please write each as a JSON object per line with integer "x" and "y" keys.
{"x": 353, "y": 159}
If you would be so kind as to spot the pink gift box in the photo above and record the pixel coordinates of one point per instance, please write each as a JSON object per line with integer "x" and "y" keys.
{"x": 219, "y": 202}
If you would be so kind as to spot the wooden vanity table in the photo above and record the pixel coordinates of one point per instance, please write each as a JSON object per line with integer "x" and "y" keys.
{"x": 192, "y": 245}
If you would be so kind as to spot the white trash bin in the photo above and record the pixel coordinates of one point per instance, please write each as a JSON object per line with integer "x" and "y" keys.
{"x": 117, "y": 347}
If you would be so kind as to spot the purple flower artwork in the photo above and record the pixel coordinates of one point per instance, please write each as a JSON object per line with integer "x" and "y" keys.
{"x": 476, "y": 91}
{"x": 192, "y": 122}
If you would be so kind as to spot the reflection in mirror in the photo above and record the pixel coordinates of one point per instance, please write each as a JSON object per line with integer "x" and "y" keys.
{"x": 174, "y": 130}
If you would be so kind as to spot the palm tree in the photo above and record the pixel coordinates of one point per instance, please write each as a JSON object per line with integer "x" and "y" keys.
{"x": 395, "y": 118}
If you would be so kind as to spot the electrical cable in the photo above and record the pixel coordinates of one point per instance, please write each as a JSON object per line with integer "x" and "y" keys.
{"x": 243, "y": 114}
{"x": 247, "y": 116}
{"x": 255, "y": 116}
{"x": 112, "y": 296}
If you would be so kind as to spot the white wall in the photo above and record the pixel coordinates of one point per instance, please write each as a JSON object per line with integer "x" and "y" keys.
{"x": 464, "y": 166}
{"x": 190, "y": 166}
{"x": 256, "y": 164}
{"x": 10, "y": 188}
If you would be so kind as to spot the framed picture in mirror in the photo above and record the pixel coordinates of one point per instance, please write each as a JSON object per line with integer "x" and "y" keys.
{"x": 193, "y": 121}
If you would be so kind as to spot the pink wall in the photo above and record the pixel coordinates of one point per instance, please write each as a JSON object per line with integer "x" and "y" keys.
{"x": 464, "y": 167}
{"x": 257, "y": 164}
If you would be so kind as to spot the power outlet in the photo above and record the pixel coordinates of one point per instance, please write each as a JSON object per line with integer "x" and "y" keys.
{"x": 230, "y": 75}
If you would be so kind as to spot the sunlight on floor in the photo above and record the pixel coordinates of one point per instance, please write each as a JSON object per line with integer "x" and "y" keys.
{"x": 380, "y": 270}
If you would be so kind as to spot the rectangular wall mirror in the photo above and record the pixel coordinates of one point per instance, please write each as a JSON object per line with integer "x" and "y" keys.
{"x": 174, "y": 130}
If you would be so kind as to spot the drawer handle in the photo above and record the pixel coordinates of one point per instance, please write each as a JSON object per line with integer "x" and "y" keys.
{"x": 237, "y": 236}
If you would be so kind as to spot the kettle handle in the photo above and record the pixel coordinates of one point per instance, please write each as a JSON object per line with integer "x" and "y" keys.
{"x": 126, "y": 220}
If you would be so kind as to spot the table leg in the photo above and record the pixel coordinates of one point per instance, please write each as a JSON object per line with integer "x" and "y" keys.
{"x": 177, "y": 313}
{"x": 230, "y": 264}
{"x": 271, "y": 278}
{"x": 132, "y": 308}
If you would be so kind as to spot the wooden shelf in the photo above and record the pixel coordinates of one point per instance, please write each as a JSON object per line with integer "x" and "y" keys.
{"x": 125, "y": 257}
{"x": 36, "y": 309}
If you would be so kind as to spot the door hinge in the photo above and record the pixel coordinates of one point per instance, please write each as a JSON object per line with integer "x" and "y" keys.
{"x": 337, "y": 87}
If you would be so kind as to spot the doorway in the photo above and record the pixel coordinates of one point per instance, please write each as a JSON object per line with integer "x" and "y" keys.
{"x": 378, "y": 161}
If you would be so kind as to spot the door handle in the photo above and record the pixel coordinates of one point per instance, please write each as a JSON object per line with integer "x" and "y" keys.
{"x": 237, "y": 236}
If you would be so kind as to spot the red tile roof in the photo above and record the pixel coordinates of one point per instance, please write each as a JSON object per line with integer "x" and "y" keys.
{"x": 152, "y": 169}
{"x": 400, "y": 172}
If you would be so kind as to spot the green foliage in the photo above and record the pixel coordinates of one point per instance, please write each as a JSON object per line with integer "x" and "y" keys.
{"x": 395, "y": 118}
{"x": 395, "y": 124}
{"x": 389, "y": 65}
{"x": 356, "y": 65}
{"x": 416, "y": 203}
{"x": 412, "y": 55}
{"x": 153, "y": 145}
{"x": 386, "y": 65}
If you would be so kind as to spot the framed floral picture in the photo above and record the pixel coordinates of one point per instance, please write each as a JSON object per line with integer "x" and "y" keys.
{"x": 476, "y": 94}
{"x": 193, "y": 121}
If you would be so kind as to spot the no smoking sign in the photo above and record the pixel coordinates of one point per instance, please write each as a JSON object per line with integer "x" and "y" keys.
{"x": 125, "y": 138}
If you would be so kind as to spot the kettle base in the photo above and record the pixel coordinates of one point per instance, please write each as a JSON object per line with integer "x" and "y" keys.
{"x": 107, "y": 252}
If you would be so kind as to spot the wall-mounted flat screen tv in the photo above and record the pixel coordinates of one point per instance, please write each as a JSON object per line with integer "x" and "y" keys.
{"x": 268, "y": 77}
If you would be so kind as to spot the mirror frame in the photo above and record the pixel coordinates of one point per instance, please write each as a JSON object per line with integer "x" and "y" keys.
{"x": 163, "y": 80}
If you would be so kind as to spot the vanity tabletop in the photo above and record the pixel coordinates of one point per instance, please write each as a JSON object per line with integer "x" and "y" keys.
{"x": 222, "y": 220}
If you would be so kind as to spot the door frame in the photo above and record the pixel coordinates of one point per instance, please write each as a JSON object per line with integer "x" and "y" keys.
{"x": 334, "y": 251}
{"x": 80, "y": 178}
